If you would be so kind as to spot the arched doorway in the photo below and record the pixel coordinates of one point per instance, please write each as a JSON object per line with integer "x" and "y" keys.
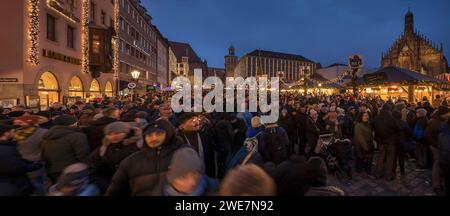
{"x": 48, "y": 90}
{"x": 76, "y": 87}
{"x": 95, "y": 89}
{"x": 109, "y": 89}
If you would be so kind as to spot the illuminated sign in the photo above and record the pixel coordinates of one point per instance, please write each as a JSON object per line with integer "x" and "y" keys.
{"x": 65, "y": 8}
{"x": 61, "y": 57}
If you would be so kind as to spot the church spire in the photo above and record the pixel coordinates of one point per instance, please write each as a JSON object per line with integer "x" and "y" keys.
{"x": 409, "y": 21}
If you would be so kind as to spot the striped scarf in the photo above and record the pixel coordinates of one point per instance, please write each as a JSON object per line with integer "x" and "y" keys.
{"x": 24, "y": 133}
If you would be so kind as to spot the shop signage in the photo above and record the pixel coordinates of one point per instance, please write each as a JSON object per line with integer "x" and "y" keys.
{"x": 65, "y": 8}
{"x": 60, "y": 57}
{"x": 131, "y": 85}
{"x": 355, "y": 61}
{"x": 8, "y": 79}
{"x": 375, "y": 78}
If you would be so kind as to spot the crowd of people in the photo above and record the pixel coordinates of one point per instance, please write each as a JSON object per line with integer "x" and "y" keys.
{"x": 141, "y": 147}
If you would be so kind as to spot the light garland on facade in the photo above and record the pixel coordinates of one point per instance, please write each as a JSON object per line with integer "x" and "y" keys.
{"x": 33, "y": 32}
{"x": 116, "y": 39}
{"x": 50, "y": 4}
{"x": 85, "y": 35}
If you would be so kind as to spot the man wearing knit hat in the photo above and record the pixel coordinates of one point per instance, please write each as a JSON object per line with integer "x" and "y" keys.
{"x": 63, "y": 145}
{"x": 434, "y": 128}
{"x": 120, "y": 141}
{"x": 74, "y": 181}
{"x": 185, "y": 176}
{"x": 143, "y": 172}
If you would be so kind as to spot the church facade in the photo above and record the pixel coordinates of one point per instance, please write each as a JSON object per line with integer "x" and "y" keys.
{"x": 415, "y": 52}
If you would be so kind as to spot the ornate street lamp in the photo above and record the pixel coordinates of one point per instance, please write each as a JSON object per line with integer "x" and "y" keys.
{"x": 135, "y": 74}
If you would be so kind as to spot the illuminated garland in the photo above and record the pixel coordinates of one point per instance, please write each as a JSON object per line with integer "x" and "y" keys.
{"x": 116, "y": 39}
{"x": 85, "y": 35}
{"x": 33, "y": 31}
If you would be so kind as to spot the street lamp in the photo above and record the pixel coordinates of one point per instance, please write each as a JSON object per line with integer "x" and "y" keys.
{"x": 135, "y": 74}
{"x": 320, "y": 85}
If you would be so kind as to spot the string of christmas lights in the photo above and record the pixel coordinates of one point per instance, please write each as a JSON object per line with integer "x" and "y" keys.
{"x": 116, "y": 39}
{"x": 33, "y": 32}
{"x": 85, "y": 35}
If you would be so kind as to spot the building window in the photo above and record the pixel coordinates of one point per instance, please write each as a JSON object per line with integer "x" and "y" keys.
{"x": 121, "y": 3}
{"x": 96, "y": 44}
{"x": 121, "y": 23}
{"x": 92, "y": 12}
{"x": 70, "y": 37}
{"x": 132, "y": 13}
{"x": 102, "y": 17}
{"x": 128, "y": 49}
{"x": 51, "y": 30}
{"x": 128, "y": 7}
{"x": 128, "y": 28}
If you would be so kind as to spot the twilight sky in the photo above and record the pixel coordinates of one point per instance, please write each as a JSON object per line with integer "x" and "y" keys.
{"x": 325, "y": 31}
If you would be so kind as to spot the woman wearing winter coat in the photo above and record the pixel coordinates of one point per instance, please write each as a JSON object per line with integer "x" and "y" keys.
{"x": 363, "y": 142}
{"x": 120, "y": 141}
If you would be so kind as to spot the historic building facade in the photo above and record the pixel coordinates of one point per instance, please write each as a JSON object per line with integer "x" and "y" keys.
{"x": 163, "y": 60}
{"x": 56, "y": 51}
{"x": 137, "y": 46}
{"x": 271, "y": 64}
{"x": 415, "y": 52}
{"x": 187, "y": 60}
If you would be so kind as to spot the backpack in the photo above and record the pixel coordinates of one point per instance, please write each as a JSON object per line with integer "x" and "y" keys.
{"x": 418, "y": 132}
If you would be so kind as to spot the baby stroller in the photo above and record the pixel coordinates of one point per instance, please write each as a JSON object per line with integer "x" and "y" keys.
{"x": 337, "y": 153}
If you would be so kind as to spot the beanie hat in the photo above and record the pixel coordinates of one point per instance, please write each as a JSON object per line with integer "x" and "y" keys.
{"x": 184, "y": 161}
{"x": 65, "y": 120}
{"x": 74, "y": 175}
{"x": 117, "y": 127}
{"x": 316, "y": 172}
{"x": 256, "y": 122}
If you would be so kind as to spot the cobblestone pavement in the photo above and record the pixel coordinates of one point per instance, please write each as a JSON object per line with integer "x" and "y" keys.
{"x": 414, "y": 183}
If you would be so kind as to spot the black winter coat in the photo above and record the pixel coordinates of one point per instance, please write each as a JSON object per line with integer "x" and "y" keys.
{"x": 386, "y": 130}
{"x": 62, "y": 146}
{"x": 144, "y": 172}
{"x": 273, "y": 144}
{"x": 105, "y": 160}
{"x": 13, "y": 171}
{"x": 433, "y": 130}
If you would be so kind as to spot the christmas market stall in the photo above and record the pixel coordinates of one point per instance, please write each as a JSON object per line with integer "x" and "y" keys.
{"x": 393, "y": 82}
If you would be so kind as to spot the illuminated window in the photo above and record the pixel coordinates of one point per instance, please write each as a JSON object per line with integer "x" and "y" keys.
{"x": 76, "y": 87}
{"x": 95, "y": 89}
{"x": 109, "y": 89}
{"x": 96, "y": 44}
{"x": 48, "y": 90}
